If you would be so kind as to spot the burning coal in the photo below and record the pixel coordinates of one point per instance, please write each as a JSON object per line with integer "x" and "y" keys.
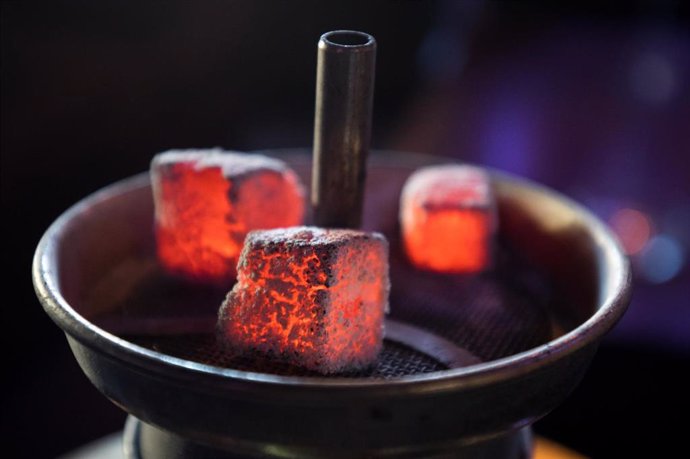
{"x": 311, "y": 297}
{"x": 208, "y": 200}
{"x": 447, "y": 218}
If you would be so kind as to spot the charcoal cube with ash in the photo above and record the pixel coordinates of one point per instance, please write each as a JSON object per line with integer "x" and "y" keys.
{"x": 207, "y": 201}
{"x": 311, "y": 297}
{"x": 448, "y": 219}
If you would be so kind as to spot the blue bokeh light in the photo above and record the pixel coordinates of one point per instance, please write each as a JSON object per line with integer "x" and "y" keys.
{"x": 661, "y": 260}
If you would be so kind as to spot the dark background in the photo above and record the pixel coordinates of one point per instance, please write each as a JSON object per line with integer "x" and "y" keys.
{"x": 593, "y": 101}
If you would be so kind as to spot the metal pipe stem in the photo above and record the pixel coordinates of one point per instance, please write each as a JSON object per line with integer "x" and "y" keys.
{"x": 342, "y": 126}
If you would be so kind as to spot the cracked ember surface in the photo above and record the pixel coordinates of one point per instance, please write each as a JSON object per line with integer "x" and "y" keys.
{"x": 207, "y": 201}
{"x": 311, "y": 297}
{"x": 447, "y": 218}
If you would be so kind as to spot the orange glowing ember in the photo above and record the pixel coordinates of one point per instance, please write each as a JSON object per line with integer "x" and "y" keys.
{"x": 447, "y": 218}
{"x": 311, "y": 297}
{"x": 206, "y": 203}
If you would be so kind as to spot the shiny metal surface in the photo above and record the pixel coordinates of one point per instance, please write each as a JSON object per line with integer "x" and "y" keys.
{"x": 342, "y": 126}
{"x": 441, "y": 411}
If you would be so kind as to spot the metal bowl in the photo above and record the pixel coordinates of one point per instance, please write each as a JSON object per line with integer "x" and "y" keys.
{"x": 475, "y": 410}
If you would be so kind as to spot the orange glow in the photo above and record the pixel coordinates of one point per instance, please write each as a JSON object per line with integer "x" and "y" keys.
{"x": 447, "y": 219}
{"x": 633, "y": 229}
{"x": 206, "y": 203}
{"x": 310, "y": 297}
{"x": 547, "y": 449}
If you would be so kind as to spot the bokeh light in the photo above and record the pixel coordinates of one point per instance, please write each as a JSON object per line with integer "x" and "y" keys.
{"x": 633, "y": 228}
{"x": 653, "y": 78}
{"x": 661, "y": 260}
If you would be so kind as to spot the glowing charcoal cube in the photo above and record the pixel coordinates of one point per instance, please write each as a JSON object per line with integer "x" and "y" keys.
{"x": 206, "y": 201}
{"x": 447, "y": 218}
{"x": 314, "y": 298}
